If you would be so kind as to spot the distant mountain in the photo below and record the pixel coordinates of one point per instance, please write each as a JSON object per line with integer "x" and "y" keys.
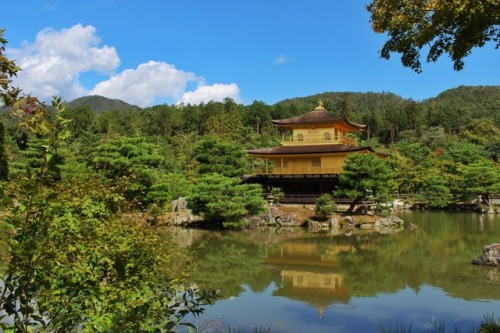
{"x": 472, "y": 101}
{"x": 470, "y": 97}
{"x": 100, "y": 104}
{"x": 352, "y": 104}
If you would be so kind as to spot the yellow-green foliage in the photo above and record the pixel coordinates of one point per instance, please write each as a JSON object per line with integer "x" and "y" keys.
{"x": 73, "y": 263}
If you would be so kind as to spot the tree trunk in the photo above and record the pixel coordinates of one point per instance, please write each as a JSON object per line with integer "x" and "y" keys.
{"x": 485, "y": 198}
{"x": 356, "y": 201}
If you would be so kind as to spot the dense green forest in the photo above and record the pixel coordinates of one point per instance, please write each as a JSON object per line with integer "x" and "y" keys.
{"x": 157, "y": 152}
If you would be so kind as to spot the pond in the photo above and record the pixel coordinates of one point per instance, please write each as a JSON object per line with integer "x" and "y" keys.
{"x": 295, "y": 280}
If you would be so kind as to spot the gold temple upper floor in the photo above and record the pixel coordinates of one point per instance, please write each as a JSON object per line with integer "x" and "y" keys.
{"x": 294, "y": 140}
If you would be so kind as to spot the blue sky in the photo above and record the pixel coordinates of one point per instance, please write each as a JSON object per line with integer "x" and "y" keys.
{"x": 151, "y": 52}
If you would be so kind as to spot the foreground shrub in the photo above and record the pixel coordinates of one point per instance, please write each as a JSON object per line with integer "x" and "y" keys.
{"x": 73, "y": 264}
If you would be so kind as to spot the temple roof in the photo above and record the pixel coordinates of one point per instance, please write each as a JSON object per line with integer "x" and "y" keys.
{"x": 317, "y": 116}
{"x": 311, "y": 149}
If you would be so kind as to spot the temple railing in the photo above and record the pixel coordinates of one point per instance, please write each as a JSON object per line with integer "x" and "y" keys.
{"x": 311, "y": 198}
{"x": 299, "y": 171}
{"x": 316, "y": 139}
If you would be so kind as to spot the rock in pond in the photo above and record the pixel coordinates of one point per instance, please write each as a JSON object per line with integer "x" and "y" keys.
{"x": 389, "y": 222}
{"x": 490, "y": 256}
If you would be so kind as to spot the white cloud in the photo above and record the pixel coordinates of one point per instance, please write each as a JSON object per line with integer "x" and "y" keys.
{"x": 282, "y": 59}
{"x": 216, "y": 92}
{"x": 52, "y": 64}
{"x": 142, "y": 86}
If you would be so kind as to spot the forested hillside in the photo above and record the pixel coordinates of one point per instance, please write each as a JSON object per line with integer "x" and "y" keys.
{"x": 99, "y": 104}
{"x": 432, "y": 143}
{"x": 387, "y": 115}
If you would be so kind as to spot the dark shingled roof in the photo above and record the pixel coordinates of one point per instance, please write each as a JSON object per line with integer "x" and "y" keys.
{"x": 318, "y": 116}
{"x": 311, "y": 149}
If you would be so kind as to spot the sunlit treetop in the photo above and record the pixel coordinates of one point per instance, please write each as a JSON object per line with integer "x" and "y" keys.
{"x": 453, "y": 27}
{"x": 8, "y": 70}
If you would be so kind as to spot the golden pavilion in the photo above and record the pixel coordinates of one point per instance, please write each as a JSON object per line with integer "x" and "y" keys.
{"x": 313, "y": 150}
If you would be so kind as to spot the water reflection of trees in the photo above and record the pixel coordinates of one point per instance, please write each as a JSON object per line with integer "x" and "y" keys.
{"x": 229, "y": 260}
{"x": 437, "y": 253}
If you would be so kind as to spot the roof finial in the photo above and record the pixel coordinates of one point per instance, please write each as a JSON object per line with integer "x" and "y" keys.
{"x": 320, "y": 106}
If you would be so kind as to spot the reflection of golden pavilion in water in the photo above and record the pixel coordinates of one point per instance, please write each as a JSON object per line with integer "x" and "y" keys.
{"x": 308, "y": 273}
{"x": 303, "y": 279}
{"x": 318, "y": 289}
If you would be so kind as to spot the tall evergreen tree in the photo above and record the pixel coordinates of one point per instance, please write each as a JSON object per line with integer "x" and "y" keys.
{"x": 365, "y": 175}
{"x": 223, "y": 157}
{"x": 482, "y": 179}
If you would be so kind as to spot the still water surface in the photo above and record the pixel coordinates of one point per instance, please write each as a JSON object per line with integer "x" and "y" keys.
{"x": 293, "y": 280}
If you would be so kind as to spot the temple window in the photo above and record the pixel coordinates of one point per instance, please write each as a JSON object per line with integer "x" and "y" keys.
{"x": 300, "y": 137}
{"x": 328, "y": 136}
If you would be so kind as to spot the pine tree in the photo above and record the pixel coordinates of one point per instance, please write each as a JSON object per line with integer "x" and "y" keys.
{"x": 365, "y": 175}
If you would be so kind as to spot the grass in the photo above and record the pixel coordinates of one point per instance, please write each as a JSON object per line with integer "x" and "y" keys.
{"x": 489, "y": 324}
{"x": 221, "y": 326}
{"x": 253, "y": 330}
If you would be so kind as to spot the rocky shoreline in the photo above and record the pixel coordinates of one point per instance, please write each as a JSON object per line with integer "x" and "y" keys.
{"x": 293, "y": 215}
{"x": 400, "y": 204}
